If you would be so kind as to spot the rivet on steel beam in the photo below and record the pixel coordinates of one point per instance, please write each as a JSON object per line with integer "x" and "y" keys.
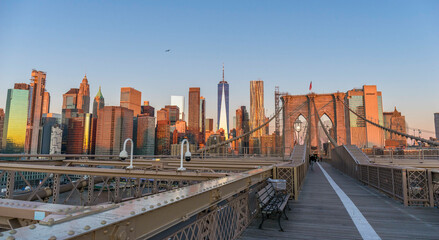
{"x": 151, "y": 206}
{"x": 69, "y": 215}
{"x": 138, "y": 200}
{"x": 32, "y": 226}
{"x": 51, "y": 221}
{"x": 13, "y": 231}
{"x": 122, "y": 204}
{"x": 128, "y": 223}
{"x": 105, "y": 231}
{"x": 87, "y": 227}
{"x": 152, "y": 196}
{"x": 166, "y": 202}
{"x": 103, "y": 222}
{"x": 132, "y": 213}
{"x": 159, "y": 204}
{"x": 101, "y": 207}
{"x": 71, "y": 232}
{"x": 172, "y": 200}
{"x": 145, "y": 197}
{"x": 60, "y": 210}
{"x": 131, "y": 229}
{"x": 143, "y": 209}
{"x": 52, "y": 238}
{"x": 10, "y": 238}
{"x": 178, "y": 198}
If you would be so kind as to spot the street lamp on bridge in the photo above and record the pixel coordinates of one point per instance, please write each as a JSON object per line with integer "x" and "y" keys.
{"x": 297, "y": 127}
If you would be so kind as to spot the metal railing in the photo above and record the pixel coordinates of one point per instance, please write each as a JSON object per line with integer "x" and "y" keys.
{"x": 412, "y": 186}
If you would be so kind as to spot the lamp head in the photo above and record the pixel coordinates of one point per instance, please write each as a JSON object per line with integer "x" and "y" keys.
{"x": 123, "y": 155}
{"x": 187, "y": 156}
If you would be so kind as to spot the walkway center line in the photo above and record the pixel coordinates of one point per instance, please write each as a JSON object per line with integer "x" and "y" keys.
{"x": 364, "y": 228}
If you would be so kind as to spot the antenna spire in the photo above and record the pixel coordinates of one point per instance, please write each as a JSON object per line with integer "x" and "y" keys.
{"x": 223, "y": 72}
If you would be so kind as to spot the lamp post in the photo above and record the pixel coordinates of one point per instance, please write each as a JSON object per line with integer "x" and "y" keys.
{"x": 124, "y": 155}
{"x": 297, "y": 127}
{"x": 187, "y": 155}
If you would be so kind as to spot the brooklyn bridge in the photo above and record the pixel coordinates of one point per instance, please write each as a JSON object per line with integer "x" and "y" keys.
{"x": 342, "y": 193}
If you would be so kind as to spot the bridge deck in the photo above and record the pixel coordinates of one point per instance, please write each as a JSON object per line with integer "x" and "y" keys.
{"x": 320, "y": 214}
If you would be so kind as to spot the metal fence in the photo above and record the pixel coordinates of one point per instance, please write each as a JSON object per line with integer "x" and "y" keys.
{"x": 412, "y": 186}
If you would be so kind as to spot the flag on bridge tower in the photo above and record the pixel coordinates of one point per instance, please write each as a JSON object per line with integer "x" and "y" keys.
{"x": 310, "y": 85}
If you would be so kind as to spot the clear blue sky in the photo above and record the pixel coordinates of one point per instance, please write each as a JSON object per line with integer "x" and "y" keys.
{"x": 338, "y": 45}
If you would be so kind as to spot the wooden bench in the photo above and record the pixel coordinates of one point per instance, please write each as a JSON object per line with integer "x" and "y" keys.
{"x": 272, "y": 202}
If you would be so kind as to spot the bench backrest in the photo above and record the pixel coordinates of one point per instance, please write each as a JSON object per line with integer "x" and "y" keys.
{"x": 265, "y": 194}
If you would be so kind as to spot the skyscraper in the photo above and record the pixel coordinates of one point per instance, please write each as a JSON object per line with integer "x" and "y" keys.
{"x": 36, "y": 94}
{"x": 163, "y": 136}
{"x": 367, "y": 102}
{"x": 84, "y": 95}
{"x": 242, "y": 126}
{"x": 223, "y": 106}
{"x": 47, "y": 122}
{"x": 194, "y": 112}
{"x": 179, "y": 102}
{"x": 257, "y": 111}
{"x": 174, "y": 113}
{"x": 2, "y": 122}
{"x": 14, "y": 129}
{"x": 209, "y": 124}
{"x": 46, "y": 102}
{"x": 98, "y": 103}
{"x": 131, "y": 99}
{"x": 80, "y": 130}
{"x": 70, "y": 99}
{"x": 395, "y": 121}
{"x": 436, "y": 124}
{"x": 147, "y": 109}
{"x": 201, "y": 139}
{"x": 115, "y": 124}
{"x": 145, "y": 142}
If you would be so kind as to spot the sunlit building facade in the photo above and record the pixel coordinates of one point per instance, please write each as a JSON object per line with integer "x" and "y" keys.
{"x": 84, "y": 96}
{"x": 114, "y": 125}
{"x": 257, "y": 110}
{"x": 131, "y": 98}
{"x": 46, "y": 102}
{"x": 35, "y": 111}
{"x": 2, "y": 123}
{"x": 15, "y": 123}
{"x": 366, "y": 102}
{"x": 395, "y": 121}
{"x": 163, "y": 134}
{"x": 194, "y": 112}
{"x": 202, "y": 129}
{"x": 223, "y": 106}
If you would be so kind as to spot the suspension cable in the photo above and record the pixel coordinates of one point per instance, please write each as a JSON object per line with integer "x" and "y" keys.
{"x": 388, "y": 129}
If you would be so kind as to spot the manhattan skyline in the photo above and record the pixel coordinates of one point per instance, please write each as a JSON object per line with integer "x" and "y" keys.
{"x": 337, "y": 46}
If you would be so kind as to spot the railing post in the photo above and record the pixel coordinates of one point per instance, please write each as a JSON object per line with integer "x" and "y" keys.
{"x": 10, "y": 182}
{"x": 430, "y": 188}
{"x": 404, "y": 187}
{"x": 296, "y": 184}
{"x": 90, "y": 189}
{"x": 55, "y": 189}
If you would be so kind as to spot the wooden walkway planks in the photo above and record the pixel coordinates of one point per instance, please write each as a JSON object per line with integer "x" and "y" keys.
{"x": 319, "y": 213}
